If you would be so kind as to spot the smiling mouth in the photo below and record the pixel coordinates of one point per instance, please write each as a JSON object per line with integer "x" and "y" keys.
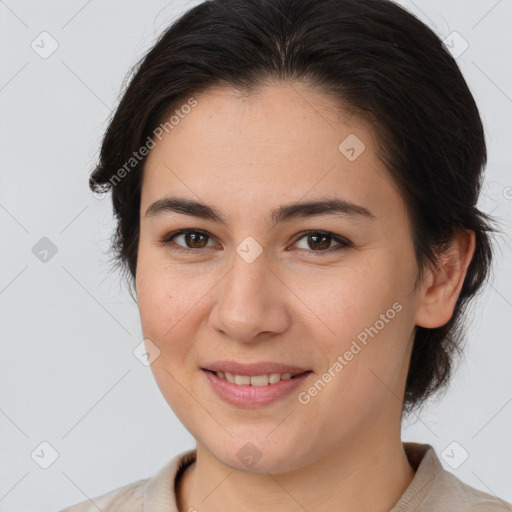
{"x": 255, "y": 380}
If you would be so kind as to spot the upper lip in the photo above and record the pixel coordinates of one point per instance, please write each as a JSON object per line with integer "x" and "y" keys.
{"x": 252, "y": 369}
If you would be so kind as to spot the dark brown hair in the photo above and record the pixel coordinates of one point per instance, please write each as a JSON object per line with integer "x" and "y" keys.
{"x": 378, "y": 61}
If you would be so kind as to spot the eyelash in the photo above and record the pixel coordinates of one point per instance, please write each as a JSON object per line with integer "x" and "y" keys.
{"x": 344, "y": 243}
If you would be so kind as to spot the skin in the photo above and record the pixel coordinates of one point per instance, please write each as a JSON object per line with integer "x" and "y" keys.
{"x": 246, "y": 156}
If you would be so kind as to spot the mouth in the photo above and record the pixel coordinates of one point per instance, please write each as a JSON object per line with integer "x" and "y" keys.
{"x": 253, "y": 391}
{"x": 264, "y": 379}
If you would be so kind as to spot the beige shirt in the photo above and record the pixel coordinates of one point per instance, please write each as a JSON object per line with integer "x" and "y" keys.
{"x": 432, "y": 489}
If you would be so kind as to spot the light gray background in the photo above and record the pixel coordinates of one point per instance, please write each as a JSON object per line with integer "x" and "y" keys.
{"x": 68, "y": 328}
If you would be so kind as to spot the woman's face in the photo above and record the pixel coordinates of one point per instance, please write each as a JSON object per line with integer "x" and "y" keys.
{"x": 250, "y": 290}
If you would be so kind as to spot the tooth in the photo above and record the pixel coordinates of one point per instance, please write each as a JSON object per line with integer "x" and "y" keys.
{"x": 242, "y": 379}
{"x": 259, "y": 380}
{"x": 274, "y": 377}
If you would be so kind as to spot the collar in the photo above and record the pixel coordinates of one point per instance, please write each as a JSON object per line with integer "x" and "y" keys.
{"x": 159, "y": 491}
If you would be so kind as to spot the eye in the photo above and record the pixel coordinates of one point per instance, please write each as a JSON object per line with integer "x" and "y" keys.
{"x": 320, "y": 242}
{"x": 194, "y": 239}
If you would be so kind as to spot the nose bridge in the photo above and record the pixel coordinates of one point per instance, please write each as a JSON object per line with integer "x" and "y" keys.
{"x": 248, "y": 301}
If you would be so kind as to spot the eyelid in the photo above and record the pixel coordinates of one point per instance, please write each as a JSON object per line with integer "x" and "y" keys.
{"x": 168, "y": 238}
{"x": 343, "y": 243}
{"x": 338, "y": 238}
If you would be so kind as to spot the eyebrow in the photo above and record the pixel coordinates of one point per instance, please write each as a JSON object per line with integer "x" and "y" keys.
{"x": 282, "y": 214}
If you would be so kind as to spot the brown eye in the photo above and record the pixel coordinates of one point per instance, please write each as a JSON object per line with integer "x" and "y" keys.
{"x": 187, "y": 240}
{"x": 320, "y": 242}
{"x": 195, "y": 240}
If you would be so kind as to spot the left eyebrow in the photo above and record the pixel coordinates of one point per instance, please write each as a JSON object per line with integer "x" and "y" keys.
{"x": 282, "y": 214}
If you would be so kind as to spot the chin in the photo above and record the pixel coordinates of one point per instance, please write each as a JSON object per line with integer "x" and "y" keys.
{"x": 258, "y": 456}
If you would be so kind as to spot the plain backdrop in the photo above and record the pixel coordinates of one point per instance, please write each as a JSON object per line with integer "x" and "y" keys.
{"x": 68, "y": 375}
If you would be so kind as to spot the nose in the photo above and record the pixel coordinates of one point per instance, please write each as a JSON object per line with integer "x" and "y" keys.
{"x": 251, "y": 302}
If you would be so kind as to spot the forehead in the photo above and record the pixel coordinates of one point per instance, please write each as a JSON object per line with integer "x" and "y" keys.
{"x": 281, "y": 143}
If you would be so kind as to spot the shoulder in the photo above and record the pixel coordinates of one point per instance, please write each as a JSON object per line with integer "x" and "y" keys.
{"x": 434, "y": 488}
{"x": 128, "y": 498}
{"x": 453, "y": 494}
{"x": 155, "y": 493}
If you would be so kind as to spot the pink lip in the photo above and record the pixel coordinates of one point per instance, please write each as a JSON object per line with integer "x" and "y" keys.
{"x": 252, "y": 396}
{"x": 262, "y": 368}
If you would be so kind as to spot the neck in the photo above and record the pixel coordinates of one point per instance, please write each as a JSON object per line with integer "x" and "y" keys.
{"x": 369, "y": 473}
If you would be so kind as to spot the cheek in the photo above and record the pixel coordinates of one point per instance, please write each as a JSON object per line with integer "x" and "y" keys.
{"x": 161, "y": 299}
{"x": 172, "y": 303}
{"x": 350, "y": 301}
{"x": 370, "y": 319}
{"x": 162, "y": 295}
{"x": 168, "y": 307}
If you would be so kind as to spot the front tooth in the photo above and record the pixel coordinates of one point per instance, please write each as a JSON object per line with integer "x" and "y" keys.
{"x": 242, "y": 379}
{"x": 259, "y": 380}
{"x": 274, "y": 377}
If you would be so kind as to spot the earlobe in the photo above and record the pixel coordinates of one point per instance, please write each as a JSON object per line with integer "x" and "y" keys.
{"x": 443, "y": 283}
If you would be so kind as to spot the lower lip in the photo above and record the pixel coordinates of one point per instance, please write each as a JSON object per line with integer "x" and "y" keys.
{"x": 252, "y": 396}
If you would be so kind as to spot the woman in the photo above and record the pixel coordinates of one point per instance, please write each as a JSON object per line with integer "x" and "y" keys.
{"x": 295, "y": 184}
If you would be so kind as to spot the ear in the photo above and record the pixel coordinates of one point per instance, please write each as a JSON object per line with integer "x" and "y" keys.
{"x": 442, "y": 285}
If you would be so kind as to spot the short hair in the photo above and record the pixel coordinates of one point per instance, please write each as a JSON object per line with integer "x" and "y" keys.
{"x": 377, "y": 61}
